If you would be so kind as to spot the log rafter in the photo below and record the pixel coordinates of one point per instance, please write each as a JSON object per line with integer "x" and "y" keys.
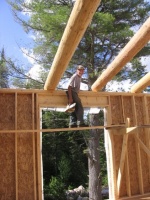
{"x": 137, "y": 42}
{"x": 80, "y": 18}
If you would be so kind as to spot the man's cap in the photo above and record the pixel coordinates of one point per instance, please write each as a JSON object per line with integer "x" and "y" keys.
{"x": 80, "y": 67}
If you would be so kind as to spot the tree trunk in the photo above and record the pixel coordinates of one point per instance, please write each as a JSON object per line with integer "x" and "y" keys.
{"x": 94, "y": 161}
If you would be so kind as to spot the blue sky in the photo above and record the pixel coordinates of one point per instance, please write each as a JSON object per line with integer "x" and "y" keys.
{"x": 12, "y": 34}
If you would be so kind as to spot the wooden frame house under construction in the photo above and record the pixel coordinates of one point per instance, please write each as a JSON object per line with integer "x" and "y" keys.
{"x": 127, "y": 120}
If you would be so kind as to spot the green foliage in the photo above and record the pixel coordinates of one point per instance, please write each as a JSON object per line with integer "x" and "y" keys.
{"x": 4, "y": 75}
{"x": 63, "y": 155}
{"x": 112, "y": 27}
{"x": 137, "y": 71}
{"x": 55, "y": 119}
{"x": 110, "y": 30}
{"x": 57, "y": 188}
{"x": 64, "y": 167}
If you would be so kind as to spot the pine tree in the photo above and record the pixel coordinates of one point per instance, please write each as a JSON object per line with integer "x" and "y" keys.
{"x": 4, "y": 79}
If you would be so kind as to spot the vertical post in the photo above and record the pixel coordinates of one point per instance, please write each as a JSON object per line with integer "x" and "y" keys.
{"x": 33, "y": 139}
{"x": 39, "y": 154}
{"x": 138, "y": 154}
{"x": 109, "y": 153}
{"x": 16, "y": 134}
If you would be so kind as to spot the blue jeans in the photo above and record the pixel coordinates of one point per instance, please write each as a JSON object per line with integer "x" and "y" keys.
{"x": 76, "y": 117}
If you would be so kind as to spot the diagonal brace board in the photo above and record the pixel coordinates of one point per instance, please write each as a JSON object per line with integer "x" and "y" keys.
{"x": 142, "y": 145}
{"x": 122, "y": 159}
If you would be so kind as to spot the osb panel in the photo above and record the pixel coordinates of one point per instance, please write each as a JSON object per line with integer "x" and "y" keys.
{"x": 148, "y": 108}
{"x": 116, "y": 110}
{"x": 142, "y": 134}
{"x": 133, "y": 169}
{"x": 139, "y": 110}
{"x": 128, "y": 109}
{"x": 25, "y": 166}
{"x": 144, "y": 161}
{"x": 7, "y": 166}
{"x": 24, "y": 111}
{"x": 7, "y": 111}
{"x": 118, "y": 140}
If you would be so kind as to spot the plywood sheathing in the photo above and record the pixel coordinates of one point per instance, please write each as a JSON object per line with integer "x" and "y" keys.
{"x": 18, "y": 156}
{"x": 24, "y": 111}
{"x": 132, "y": 180}
{"x": 137, "y": 42}
{"x": 7, "y": 110}
{"x": 79, "y": 19}
{"x": 116, "y": 109}
{"x": 25, "y": 166}
{"x": 142, "y": 135}
{"x": 7, "y": 166}
{"x": 22, "y": 148}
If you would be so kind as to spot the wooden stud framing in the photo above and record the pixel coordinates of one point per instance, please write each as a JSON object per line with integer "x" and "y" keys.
{"x": 109, "y": 153}
{"x": 138, "y": 153}
{"x": 16, "y": 166}
{"x": 119, "y": 155}
{"x": 142, "y": 145}
{"x": 146, "y": 130}
{"x": 33, "y": 140}
{"x": 123, "y": 143}
{"x": 39, "y": 156}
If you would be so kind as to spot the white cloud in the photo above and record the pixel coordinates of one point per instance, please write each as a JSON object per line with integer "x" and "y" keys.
{"x": 35, "y": 71}
{"x": 115, "y": 86}
{"x": 28, "y": 1}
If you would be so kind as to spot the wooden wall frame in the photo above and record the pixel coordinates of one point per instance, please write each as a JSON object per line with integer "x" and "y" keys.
{"x": 127, "y": 126}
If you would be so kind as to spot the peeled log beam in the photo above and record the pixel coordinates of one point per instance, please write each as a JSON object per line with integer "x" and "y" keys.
{"x": 80, "y": 18}
{"x": 138, "y": 41}
{"x": 141, "y": 84}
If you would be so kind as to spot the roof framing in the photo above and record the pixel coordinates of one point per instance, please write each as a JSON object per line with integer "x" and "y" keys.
{"x": 138, "y": 41}
{"x": 80, "y": 18}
